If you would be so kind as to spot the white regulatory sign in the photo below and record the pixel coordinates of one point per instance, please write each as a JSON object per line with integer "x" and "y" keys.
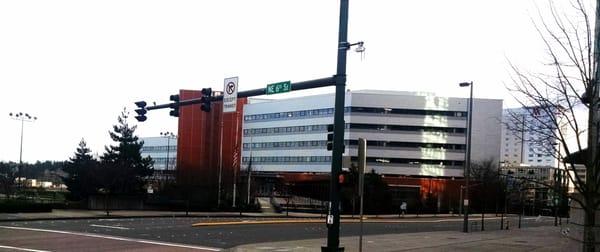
{"x": 329, "y": 219}
{"x": 230, "y": 90}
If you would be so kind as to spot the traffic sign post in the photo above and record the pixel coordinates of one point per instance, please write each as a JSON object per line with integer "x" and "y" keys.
{"x": 279, "y": 87}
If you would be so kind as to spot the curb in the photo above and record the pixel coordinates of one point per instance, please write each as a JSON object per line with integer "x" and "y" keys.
{"x": 148, "y": 216}
{"x": 343, "y": 220}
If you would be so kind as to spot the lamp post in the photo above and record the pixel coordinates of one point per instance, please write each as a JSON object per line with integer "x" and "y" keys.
{"x": 23, "y": 118}
{"x": 169, "y": 136}
{"x": 468, "y": 156}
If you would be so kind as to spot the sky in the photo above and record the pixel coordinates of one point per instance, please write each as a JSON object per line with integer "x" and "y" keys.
{"x": 76, "y": 64}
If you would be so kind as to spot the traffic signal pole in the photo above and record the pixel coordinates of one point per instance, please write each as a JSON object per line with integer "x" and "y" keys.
{"x": 316, "y": 83}
{"x": 339, "y": 81}
{"x": 333, "y": 229}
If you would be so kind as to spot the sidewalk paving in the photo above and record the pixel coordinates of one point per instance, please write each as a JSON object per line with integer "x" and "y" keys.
{"x": 90, "y": 214}
{"x": 547, "y": 238}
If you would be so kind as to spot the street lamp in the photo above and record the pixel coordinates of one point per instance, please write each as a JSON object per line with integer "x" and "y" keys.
{"x": 169, "y": 136}
{"x": 468, "y": 155}
{"x": 23, "y": 118}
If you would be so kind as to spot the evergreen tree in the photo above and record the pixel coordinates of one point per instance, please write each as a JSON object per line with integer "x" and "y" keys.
{"x": 80, "y": 169}
{"x": 122, "y": 168}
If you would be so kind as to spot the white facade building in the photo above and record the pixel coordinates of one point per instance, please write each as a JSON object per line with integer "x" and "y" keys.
{"x": 159, "y": 148}
{"x": 523, "y": 142}
{"x": 408, "y": 133}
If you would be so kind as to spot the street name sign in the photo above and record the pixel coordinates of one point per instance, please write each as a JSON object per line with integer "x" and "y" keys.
{"x": 279, "y": 87}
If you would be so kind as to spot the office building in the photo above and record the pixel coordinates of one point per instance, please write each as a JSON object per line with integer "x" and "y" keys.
{"x": 416, "y": 141}
{"x": 526, "y": 138}
{"x": 163, "y": 151}
{"x": 408, "y": 134}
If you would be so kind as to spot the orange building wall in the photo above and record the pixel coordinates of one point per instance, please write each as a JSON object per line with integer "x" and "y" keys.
{"x": 198, "y": 148}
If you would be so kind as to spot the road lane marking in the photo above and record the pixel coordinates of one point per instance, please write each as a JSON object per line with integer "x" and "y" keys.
{"x": 114, "y": 238}
{"x": 115, "y": 227}
{"x": 23, "y": 249}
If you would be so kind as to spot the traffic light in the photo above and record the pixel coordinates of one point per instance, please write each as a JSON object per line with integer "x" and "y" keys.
{"x": 330, "y": 137}
{"x": 141, "y": 111}
{"x": 174, "y": 106}
{"x": 206, "y": 95}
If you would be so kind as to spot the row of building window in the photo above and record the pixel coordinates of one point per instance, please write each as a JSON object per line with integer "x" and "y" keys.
{"x": 158, "y": 148}
{"x": 381, "y": 127}
{"x": 408, "y": 111}
{"x": 409, "y": 145}
{"x": 286, "y": 130}
{"x": 162, "y": 161}
{"x": 290, "y": 144}
{"x": 412, "y": 161}
{"x": 329, "y": 111}
{"x": 323, "y": 128}
{"x": 289, "y": 159}
{"x": 322, "y": 143}
{"x": 325, "y": 159}
{"x": 290, "y": 115}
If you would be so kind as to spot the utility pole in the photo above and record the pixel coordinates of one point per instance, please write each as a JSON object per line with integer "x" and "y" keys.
{"x": 333, "y": 217}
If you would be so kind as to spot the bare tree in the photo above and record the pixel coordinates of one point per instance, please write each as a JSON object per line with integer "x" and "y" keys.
{"x": 553, "y": 99}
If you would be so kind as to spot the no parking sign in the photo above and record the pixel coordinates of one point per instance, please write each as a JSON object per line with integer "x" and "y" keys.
{"x": 230, "y": 90}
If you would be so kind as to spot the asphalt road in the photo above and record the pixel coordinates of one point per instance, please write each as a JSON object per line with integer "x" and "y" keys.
{"x": 178, "y": 230}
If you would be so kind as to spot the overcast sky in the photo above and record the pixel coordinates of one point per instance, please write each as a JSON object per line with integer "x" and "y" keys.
{"x": 76, "y": 64}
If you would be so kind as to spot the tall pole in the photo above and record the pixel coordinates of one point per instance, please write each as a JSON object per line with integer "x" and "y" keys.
{"x": 362, "y": 165}
{"x": 220, "y": 163}
{"x": 21, "y": 147}
{"x": 248, "y": 183}
{"x": 460, "y": 207}
{"x": 166, "y": 173}
{"x": 237, "y": 125}
{"x": 333, "y": 218}
{"x": 468, "y": 159}
{"x": 167, "y": 161}
{"x": 23, "y": 118}
{"x": 21, "y": 154}
{"x": 248, "y": 169}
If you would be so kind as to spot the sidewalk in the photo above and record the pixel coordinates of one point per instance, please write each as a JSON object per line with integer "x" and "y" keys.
{"x": 547, "y": 238}
{"x": 90, "y": 214}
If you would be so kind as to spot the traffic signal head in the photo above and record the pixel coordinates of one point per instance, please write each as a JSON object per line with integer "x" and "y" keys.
{"x": 206, "y": 96}
{"x": 140, "y": 104}
{"x": 206, "y": 92}
{"x": 174, "y": 106}
{"x": 174, "y": 111}
{"x": 330, "y": 137}
{"x": 141, "y": 111}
